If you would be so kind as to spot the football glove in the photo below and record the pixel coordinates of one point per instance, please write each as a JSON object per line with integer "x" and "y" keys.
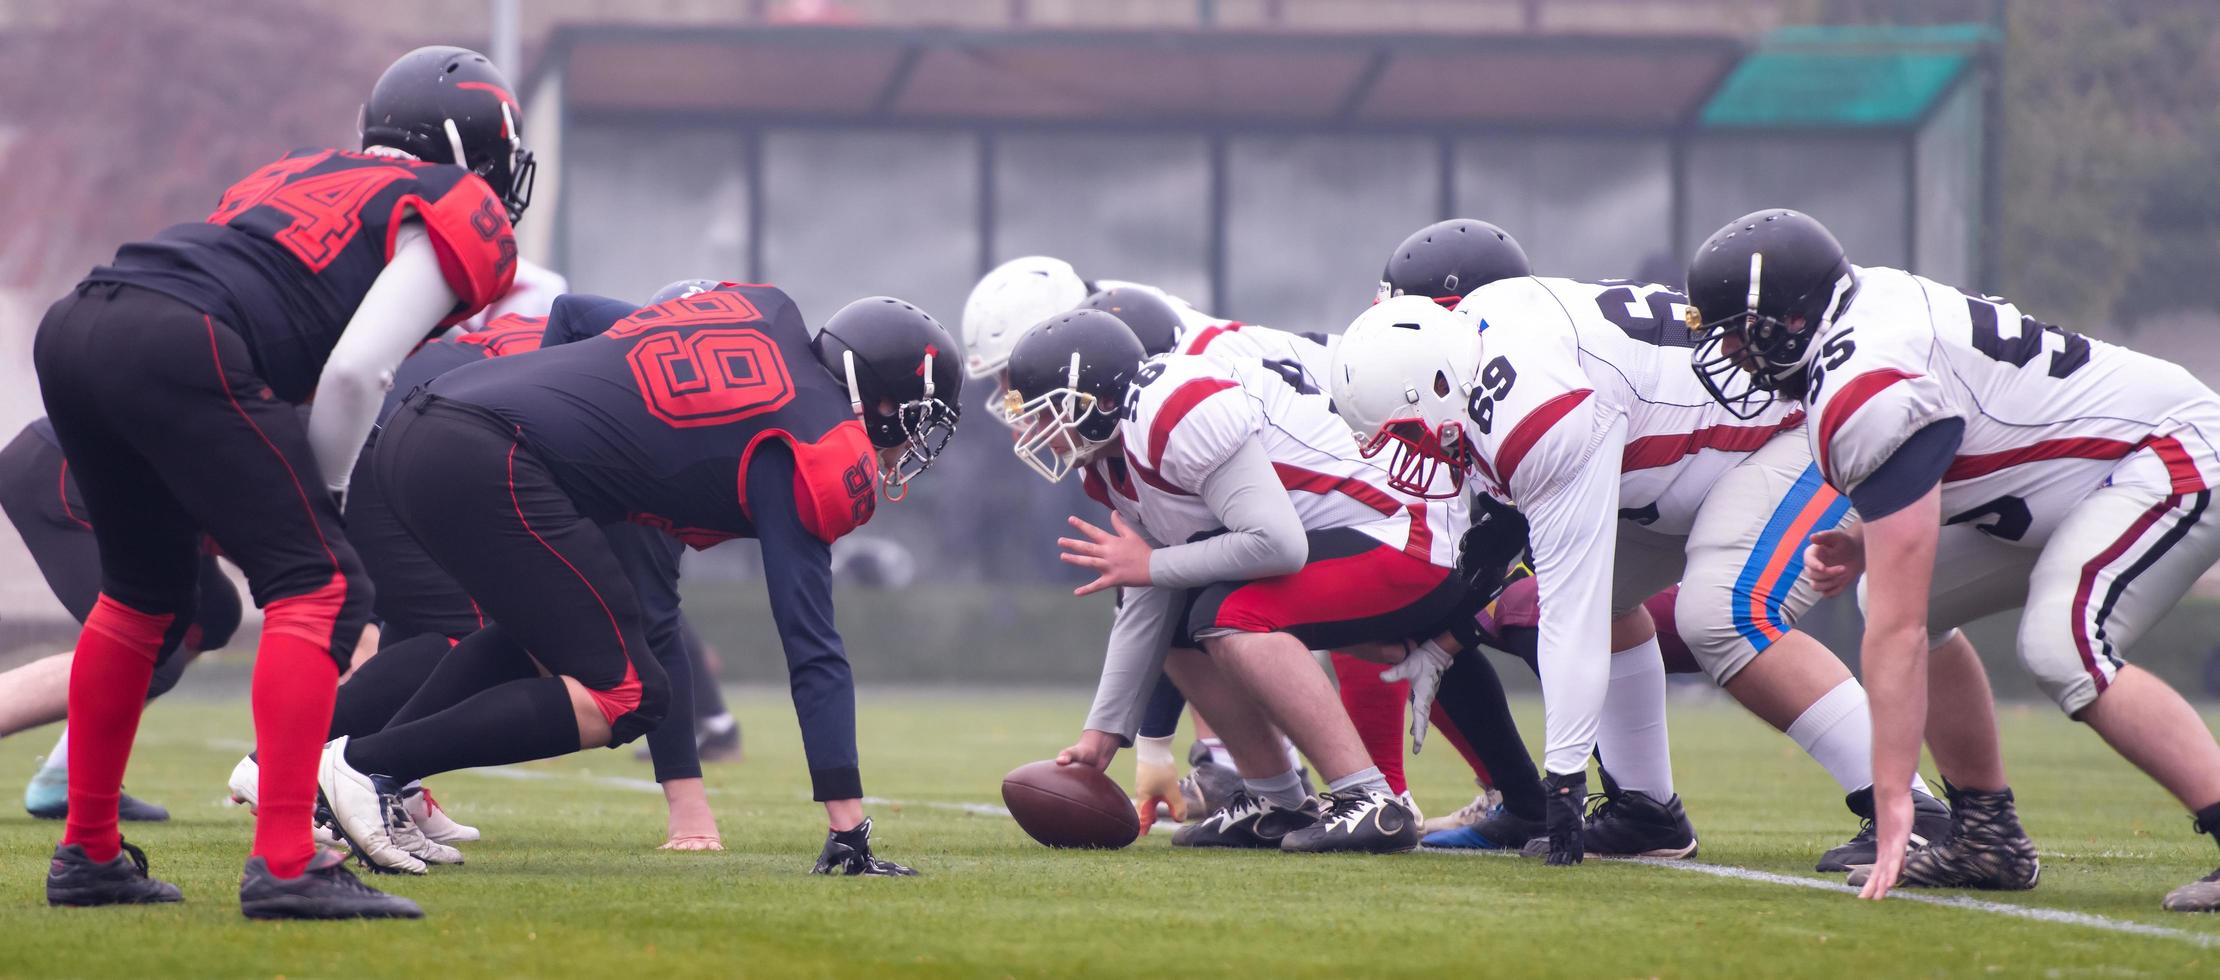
{"x": 1565, "y": 798}
{"x": 1490, "y": 549}
{"x": 1423, "y": 666}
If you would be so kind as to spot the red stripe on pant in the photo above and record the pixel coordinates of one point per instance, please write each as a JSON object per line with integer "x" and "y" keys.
{"x": 1375, "y": 707}
{"x": 2089, "y": 571}
{"x": 107, "y": 693}
{"x": 622, "y": 699}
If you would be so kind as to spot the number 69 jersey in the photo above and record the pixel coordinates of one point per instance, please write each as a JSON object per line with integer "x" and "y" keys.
{"x": 1564, "y": 361}
{"x": 654, "y": 421}
{"x": 2049, "y": 414}
{"x": 1187, "y": 415}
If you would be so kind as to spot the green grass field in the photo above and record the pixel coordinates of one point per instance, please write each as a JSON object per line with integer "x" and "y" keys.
{"x": 567, "y": 882}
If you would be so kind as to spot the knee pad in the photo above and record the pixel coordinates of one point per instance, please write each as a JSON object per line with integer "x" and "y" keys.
{"x": 1719, "y": 638}
{"x": 2051, "y": 656}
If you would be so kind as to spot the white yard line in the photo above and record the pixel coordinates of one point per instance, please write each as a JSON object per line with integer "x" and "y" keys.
{"x": 2056, "y": 916}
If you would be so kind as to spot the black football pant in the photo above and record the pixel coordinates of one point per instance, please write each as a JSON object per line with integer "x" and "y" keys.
{"x": 546, "y": 577}
{"x": 49, "y": 513}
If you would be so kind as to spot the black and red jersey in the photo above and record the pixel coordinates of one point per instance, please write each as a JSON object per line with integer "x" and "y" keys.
{"x": 291, "y": 250}
{"x": 574, "y": 315}
{"x": 654, "y": 420}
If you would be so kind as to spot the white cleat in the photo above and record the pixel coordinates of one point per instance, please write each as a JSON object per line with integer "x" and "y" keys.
{"x": 364, "y": 812}
{"x": 432, "y": 819}
{"x": 246, "y": 783}
{"x": 246, "y": 786}
{"x": 409, "y": 837}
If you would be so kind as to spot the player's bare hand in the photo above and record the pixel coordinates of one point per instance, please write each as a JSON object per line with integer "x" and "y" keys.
{"x": 1117, "y": 556}
{"x": 1892, "y": 835}
{"x": 1155, "y": 783}
{"x": 1835, "y": 560}
{"x": 1093, "y": 749}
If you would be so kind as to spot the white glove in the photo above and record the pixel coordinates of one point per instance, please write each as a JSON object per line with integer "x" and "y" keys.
{"x": 1422, "y": 666}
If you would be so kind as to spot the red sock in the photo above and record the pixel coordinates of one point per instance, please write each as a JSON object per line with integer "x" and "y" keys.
{"x": 1448, "y": 730}
{"x": 107, "y": 691}
{"x": 1376, "y": 708}
{"x": 295, "y": 681}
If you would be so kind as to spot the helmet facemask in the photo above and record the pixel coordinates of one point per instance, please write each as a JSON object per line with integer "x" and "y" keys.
{"x": 1060, "y": 429}
{"x": 925, "y": 424}
{"x": 1747, "y": 359}
{"x": 1421, "y": 453}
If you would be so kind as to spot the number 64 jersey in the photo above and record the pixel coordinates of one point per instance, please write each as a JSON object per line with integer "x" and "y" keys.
{"x": 2049, "y": 415}
{"x": 1187, "y": 416}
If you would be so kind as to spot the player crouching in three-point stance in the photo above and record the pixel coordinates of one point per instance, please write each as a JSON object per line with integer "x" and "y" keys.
{"x": 1996, "y": 462}
{"x": 170, "y": 376}
{"x": 1285, "y": 542}
{"x": 711, "y": 416}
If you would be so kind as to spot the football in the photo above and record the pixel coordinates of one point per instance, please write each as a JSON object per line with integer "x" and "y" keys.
{"x": 1070, "y": 806}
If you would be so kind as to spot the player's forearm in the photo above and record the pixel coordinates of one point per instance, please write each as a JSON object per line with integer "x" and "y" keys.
{"x": 1264, "y": 536}
{"x": 1133, "y": 660}
{"x": 1894, "y": 662}
{"x": 402, "y": 307}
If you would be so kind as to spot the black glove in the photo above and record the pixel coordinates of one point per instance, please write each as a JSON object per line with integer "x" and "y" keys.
{"x": 848, "y": 852}
{"x": 1490, "y": 549}
{"x": 1564, "y": 797}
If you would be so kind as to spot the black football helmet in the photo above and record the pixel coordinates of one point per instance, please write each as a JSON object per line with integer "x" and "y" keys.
{"x": 682, "y": 288}
{"x": 1767, "y": 282}
{"x": 1447, "y": 259}
{"x": 1068, "y": 380}
{"x": 1144, "y": 311}
{"x": 905, "y": 379}
{"x": 450, "y": 105}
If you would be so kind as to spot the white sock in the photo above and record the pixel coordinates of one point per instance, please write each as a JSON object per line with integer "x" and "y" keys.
{"x": 58, "y": 760}
{"x": 1367, "y": 779}
{"x": 1631, "y": 733}
{"x": 1218, "y": 753}
{"x": 1294, "y": 757}
{"x": 1837, "y": 732}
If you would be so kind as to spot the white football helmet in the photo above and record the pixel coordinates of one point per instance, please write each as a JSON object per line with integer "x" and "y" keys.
{"x": 1009, "y": 301}
{"x": 1403, "y": 374}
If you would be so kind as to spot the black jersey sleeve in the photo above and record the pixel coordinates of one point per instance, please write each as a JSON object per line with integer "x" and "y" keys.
{"x": 577, "y": 316}
{"x": 797, "y": 569}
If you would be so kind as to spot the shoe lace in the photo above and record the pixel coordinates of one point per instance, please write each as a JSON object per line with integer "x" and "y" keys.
{"x": 1348, "y": 811}
{"x": 1238, "y": 806}
{"x": 138, "y": 857}
{"x": 1477, "y": 810}
{"x": 1598, "y": 806}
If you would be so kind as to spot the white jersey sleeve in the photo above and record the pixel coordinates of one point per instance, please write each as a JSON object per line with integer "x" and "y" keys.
{"x": 1874, "y": 383}
{"x": 1201, "y": 423}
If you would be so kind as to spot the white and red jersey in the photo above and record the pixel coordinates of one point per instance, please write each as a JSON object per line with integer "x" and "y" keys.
{"x": 1565, "y": 359}
{"x": 2049, "y": 414}
{"x": 1188, "y": 416}
{"x": 532, "y": 294}
{"x": 1587, "y": 407}
{"x": 1285, "y": 352}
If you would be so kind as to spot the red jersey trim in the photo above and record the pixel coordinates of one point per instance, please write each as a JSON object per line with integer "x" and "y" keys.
{"x": 1295, "y": 478}
{"x": 1153, "y": 478}
{"x": 2179, "y": 465}
{"x": 1531, "y": 429}
{"x": 1202, "y": 340}
{"x": 1853, "y": 393}
{"x": 1174, "y": 410}
{"x": 1651, "y": 452}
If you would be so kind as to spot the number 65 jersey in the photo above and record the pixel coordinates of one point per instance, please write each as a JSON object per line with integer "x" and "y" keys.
{"x": 1187, "y": 416}
{"x": 2049, "y": 415}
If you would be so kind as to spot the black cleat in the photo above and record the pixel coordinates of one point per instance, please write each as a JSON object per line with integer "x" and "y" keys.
{"x": 1930, "y": 825}
{"x": 848, "y": 852}
{"x": 1987, "y": 849}
{"x": 1624, "y": 823}
{"x": 1245, "y": 821}
{"x": 129, "y": 808}
{"x": 719, "y": 743}
{"x": 1359, "y": 821}
{"x": 1208, "y": 786}
{"x": 327, "y": 890}
{"x": 76, "y": 880}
